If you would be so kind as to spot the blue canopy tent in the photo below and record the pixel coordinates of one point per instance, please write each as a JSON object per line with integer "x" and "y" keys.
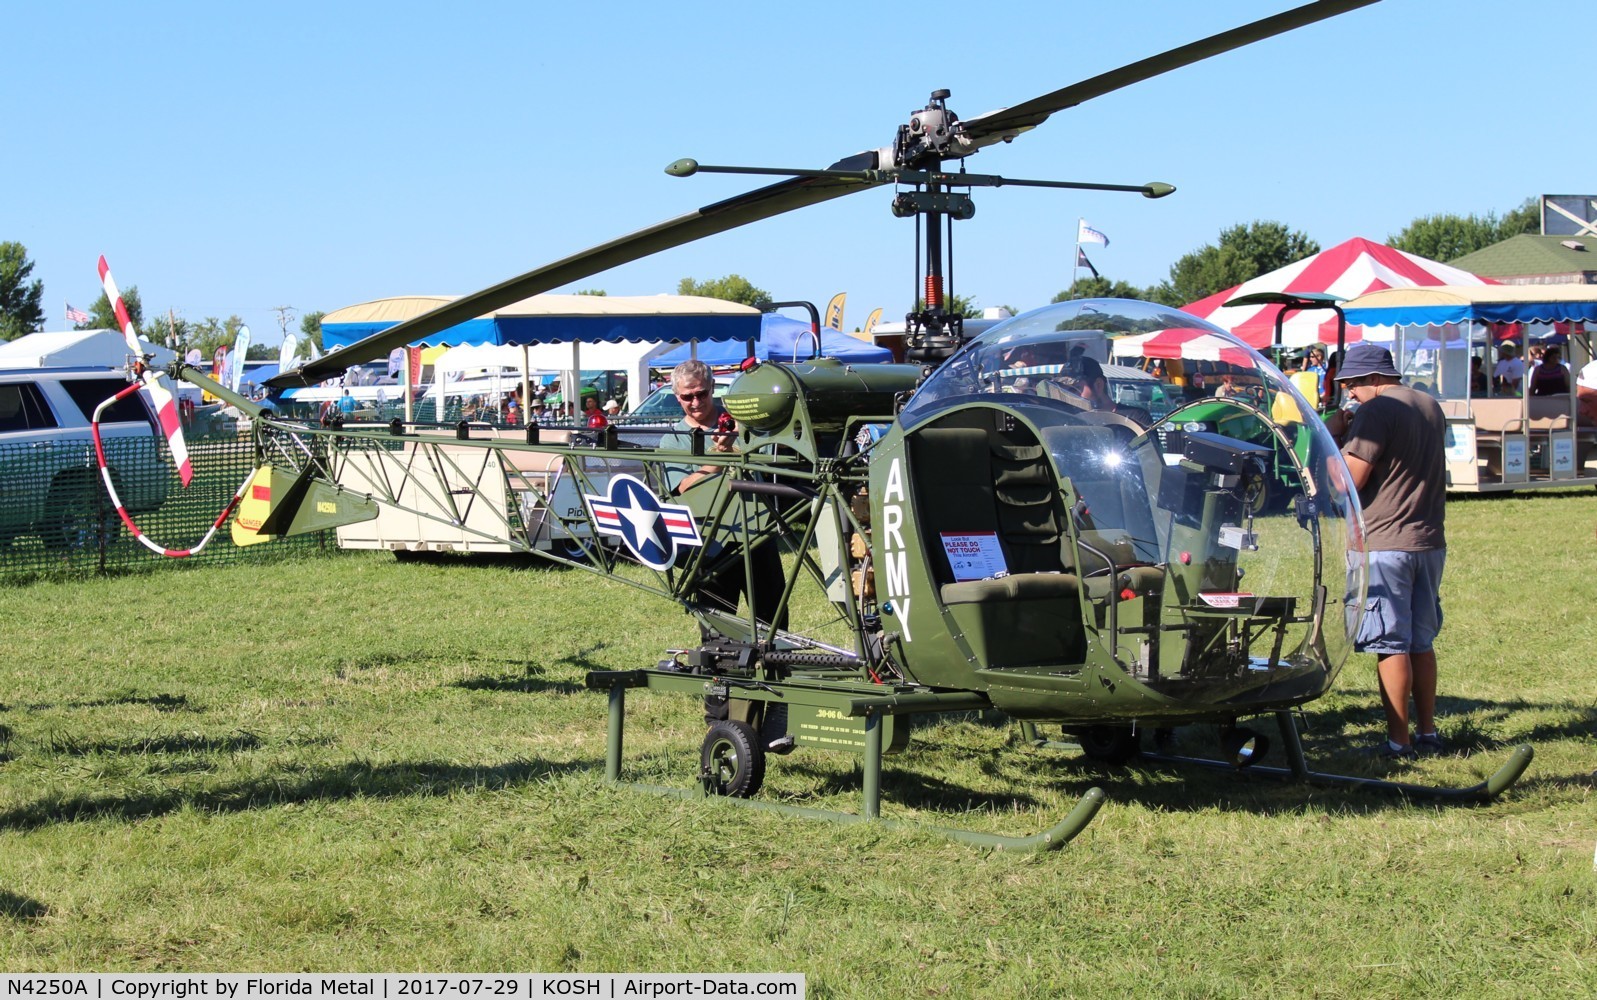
{"x": 555, "y": 319}
{"x": 1446, "y": 304}
{"x": 1413, "y": 317}
{"x": 782, "y": 339}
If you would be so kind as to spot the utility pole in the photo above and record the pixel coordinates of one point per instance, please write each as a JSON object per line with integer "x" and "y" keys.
{"x": 285, "y": 316}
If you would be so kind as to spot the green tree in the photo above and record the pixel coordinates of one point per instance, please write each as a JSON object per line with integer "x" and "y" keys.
{"x": 732, "y": 288}
{"x": 1244, "y": 252}
{"x": 593, "y": 291}
{"x": 957, "y": 305}
{"x": 310, "y": 328}
{"x": 172, "y": 330}
{"x": 1099, "y": 288}
{"x": 21, "y": 309}
{"x": 964, "y": 305}
{"x": 207, "y": 335}
{"x": 1449, "y": 236}
{"x": 1446, "y": 237}
{"x": 103, "y": 317}
{"x": 261, "y": 352}
{"x": 1527, "y": 218}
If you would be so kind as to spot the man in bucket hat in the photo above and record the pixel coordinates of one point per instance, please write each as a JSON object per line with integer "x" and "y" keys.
{"x": 1394, "y": 447}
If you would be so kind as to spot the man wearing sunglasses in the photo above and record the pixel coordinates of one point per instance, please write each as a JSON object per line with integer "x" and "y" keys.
{"x": 694, "y": 387}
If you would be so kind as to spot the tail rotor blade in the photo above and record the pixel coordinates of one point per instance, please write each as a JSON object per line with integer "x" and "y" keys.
{"x": 124, "y": 321}
{"x": 164, "y": 403}
{"x": 162, "y": 400}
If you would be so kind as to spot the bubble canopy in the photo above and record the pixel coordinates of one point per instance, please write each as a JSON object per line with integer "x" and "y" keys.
{"x": 1188, "y": 453}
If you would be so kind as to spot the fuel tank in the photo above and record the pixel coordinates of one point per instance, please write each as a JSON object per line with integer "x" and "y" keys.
{"x": 766, "y": 397}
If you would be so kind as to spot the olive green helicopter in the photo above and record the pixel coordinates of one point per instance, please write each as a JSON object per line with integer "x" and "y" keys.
{"x": 1035, "y": 521}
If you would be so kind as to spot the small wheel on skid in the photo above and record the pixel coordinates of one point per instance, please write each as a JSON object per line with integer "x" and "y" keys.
{"x": 732, "y": 761}
{"x": 1243, "y": 747}
{"x": 1109, "y": 744}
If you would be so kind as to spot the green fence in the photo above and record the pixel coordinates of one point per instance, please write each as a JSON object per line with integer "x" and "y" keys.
{"x": 55, "y": 515}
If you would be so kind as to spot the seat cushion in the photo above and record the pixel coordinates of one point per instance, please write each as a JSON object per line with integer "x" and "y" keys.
{"x": 1015, "y": 587}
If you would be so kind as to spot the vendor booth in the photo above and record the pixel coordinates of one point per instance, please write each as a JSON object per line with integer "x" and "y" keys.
{"x": 574, "y": 321}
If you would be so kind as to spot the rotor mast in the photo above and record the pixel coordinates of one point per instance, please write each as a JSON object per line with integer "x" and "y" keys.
{"x": 932, "y": 331}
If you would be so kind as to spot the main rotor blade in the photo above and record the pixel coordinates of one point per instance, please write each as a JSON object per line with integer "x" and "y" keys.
{"x": 761, "y": 203}
{"x": 983, "y": 130}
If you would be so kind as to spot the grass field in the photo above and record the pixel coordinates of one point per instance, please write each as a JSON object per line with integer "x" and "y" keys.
{"x": 354, "y": 764}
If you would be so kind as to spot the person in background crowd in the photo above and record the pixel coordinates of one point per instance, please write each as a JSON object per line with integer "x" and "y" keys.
{"x": 1395, "y": 451}
{"x": 1510, "y": 370}
{"x": 1477, "y": 376}
{"x": 1550, "y": 378}
{"x": 1586, "y": 393}
{"x": 592, "y": 415}
{"x": 612, "y": 409}
{"x": 1316, "y": 363}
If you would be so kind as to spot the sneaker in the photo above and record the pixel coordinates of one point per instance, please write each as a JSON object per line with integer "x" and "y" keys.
{"x": 1387, "y": 751}
{"x": 1429, "y": 744}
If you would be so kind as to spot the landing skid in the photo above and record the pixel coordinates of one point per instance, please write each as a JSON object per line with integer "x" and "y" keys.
{"x": 1297, "y": 769}
{"x": 873, "y": 711}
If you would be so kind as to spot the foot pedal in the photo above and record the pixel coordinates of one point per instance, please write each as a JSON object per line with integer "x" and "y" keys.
{"x": 782, "y": 745}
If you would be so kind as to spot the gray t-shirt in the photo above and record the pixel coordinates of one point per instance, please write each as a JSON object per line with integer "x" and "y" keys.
{"x": 680, "y": 438}
{"x": 1401, "y": 433}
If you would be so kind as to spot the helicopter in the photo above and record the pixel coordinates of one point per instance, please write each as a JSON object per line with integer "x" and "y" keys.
{"x": 1013, "y": 522}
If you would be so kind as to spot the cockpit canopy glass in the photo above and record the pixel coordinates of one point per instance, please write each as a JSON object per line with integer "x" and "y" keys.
{"x": 1223, "y": 456}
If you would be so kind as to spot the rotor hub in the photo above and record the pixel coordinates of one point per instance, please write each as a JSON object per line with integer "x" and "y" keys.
{"x": 931, "y": 135}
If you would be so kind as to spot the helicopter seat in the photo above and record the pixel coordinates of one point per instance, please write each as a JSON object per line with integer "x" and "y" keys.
{"x": 1111, "y": 514}
{"x": 969, "y": 481}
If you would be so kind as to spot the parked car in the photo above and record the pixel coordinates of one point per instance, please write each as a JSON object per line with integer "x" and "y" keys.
{"x": 662, "y": 406}
{"x": 49, "y": 480}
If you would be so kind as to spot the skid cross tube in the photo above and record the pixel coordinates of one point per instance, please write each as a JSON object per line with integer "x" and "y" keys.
{"x": 874, "y": 710}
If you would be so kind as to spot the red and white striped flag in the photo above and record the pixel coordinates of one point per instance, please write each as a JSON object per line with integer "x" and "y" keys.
{"x": 76, "y": 315}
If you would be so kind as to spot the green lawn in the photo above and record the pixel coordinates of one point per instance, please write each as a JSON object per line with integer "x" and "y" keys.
{"x": 354, "y": 764}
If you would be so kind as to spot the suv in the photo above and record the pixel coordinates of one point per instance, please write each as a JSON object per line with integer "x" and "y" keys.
{"x": 49, "y": 480}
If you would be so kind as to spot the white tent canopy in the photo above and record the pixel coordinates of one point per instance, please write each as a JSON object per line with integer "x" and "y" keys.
{"x": 76, "y": 349}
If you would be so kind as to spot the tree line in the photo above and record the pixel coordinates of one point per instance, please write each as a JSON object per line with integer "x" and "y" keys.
{"x": 1242, "y": 252}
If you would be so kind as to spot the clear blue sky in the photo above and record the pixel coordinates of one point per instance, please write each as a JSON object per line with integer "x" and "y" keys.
{"x": 232, "y": 158}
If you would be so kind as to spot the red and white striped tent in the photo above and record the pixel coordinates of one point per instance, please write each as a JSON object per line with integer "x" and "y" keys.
{"x": 1346, "y": 270}
{"x": 1189, "y": 343}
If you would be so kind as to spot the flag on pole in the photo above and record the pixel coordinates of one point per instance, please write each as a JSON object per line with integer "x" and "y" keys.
{"x": 1082, "y": 261}
{"x": 872, "y": 320}
{"x": 834, "y": 311}
{"x": 76, "y": 315}
{"x": 1087, "y": 234}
